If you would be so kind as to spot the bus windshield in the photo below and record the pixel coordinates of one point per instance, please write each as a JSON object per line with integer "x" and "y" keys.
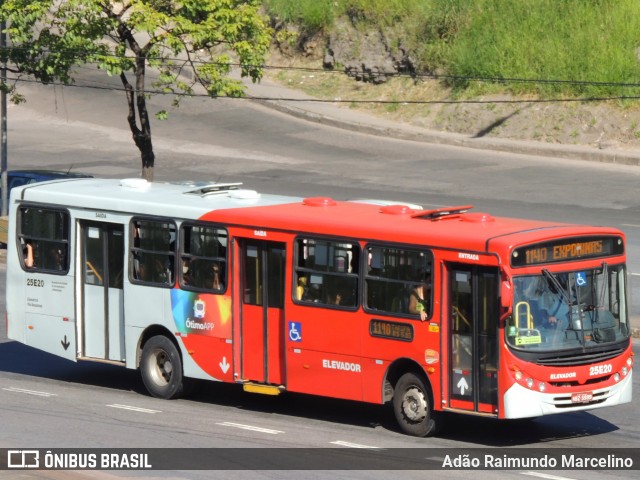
{"x": 558, "y": 311}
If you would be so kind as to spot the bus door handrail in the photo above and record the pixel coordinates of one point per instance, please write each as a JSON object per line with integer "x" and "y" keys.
{"x": 95, "y": 272}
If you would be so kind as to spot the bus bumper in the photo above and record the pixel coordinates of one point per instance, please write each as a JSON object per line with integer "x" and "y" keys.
{"x": 520, "y": 402}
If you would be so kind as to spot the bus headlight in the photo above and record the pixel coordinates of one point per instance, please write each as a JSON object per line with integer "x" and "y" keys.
{"x": 625, "y": 371}
{"x": 616, "y": 377}
{"x": 542, "y": 386}
{"x": 530, "y": 382}
{"x": 518, "y": 375}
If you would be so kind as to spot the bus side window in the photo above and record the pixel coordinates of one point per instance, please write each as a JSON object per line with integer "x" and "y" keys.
{"x": 43, "y": 235}
{"x": 203, "y": 257}
{"x": 398, "y": 281}
{"x": 327, "y": 272}
{"x": 152, "y": 252}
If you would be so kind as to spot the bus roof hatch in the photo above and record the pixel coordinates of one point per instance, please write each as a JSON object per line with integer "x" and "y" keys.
{"x": 213, "y": 188}
{"x": 442, "y": 212}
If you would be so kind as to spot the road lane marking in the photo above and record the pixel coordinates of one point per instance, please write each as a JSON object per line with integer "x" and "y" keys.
{"x": 134, "y": 409}
{"x": 545, "y": 475}
{"x": 630, "y": 225}
{"x": 29, "y": 392}
{"x": 351, "y": 445}
{"x": 635, "y": 274}
{"x": 250, "y": 427}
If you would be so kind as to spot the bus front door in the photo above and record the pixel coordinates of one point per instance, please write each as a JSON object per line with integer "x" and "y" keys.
{"x": 102, "y": 327}
{"x": 474, "y": 306}
{"x": 262, "y": 318}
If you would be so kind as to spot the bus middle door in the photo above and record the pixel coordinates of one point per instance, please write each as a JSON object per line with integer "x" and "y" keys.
{"x": 102, "y": 293}
{"x": 262, "y": 281}
{"x": 474, "y": 308}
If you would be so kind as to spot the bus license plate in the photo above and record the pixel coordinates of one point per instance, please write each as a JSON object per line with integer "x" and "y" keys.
{"x": 584, "y": 397}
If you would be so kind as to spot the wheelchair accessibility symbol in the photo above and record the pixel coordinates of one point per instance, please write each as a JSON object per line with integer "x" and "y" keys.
{"x": 295, "y": 331}
{"x": 581, "y": 279}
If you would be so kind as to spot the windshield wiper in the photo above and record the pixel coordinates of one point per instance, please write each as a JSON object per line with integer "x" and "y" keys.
{"x": 551, "y": 278}
{"x": 574, "y": 323}
{"x": 605, "y": 284}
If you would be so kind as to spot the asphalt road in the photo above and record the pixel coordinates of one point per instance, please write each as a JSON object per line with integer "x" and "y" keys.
{"x": 47, "y": 402}
{"x": 50, "y": 403}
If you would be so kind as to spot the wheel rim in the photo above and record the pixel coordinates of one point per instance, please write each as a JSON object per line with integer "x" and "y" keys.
{"x": 160, "y": 367}
{"x": 414, "y": 404}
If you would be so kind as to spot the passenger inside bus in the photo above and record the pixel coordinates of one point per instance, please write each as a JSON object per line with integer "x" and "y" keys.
{"x": 420, "y": 297}
{"x": 337, "y": 299}
{"x": 147, "y": 268}
{"x": 27, "y": 251}
{"x": 217, "y": 283}
{"x": 338, "y": 296}
{"x": 186, "y": 271}
{"x": 55, "y": 259}
{"x": 301, "y": 289}
{"x": 202, "y": 273}
{"x": 139, "y": 268}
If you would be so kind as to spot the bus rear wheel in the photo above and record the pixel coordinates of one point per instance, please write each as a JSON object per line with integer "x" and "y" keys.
{"x": 412, "y": 406}
{"x": 161, "y": 368}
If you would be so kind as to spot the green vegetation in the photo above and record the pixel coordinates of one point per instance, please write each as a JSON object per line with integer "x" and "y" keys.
{"x": 595, "y": 41}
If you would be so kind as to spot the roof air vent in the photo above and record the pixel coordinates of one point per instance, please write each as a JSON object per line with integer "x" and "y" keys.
{"x": 397, "y": 209}
{"x": 138, "y": 183}
{"x": 244, "y": 194}
{"x": 477, "y": 217}
{"x": 319, "y": 202}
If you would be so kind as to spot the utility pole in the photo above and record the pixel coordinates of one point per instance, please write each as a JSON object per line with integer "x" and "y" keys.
{"x": 3, "y": 121}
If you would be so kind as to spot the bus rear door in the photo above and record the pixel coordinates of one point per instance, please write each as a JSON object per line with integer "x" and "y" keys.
{"x": 472, "y": 325}
{"x": 102, "y": 328}
{"x": 262, "y": 283}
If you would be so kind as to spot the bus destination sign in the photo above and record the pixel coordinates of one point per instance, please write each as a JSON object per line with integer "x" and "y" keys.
{"x": 393, "y": 330}
{"x": 566, "y": 250}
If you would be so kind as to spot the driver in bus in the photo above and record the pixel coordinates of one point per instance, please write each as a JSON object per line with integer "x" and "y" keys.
{"x": 555, "y": 307}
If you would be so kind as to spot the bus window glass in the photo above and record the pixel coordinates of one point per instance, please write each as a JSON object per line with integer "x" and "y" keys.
{"x": 153, "y": 252}
{"x": 327, "y": 272}
{"x": 398, "y": 281}
{"x": 44, "y": 239}
{"x": 203, "y": 257}
{"x": 93, "y": 257}
{"x": 555, "y": 311}
{"x": 276, "y": 271}
{"x": 116, "y": 254}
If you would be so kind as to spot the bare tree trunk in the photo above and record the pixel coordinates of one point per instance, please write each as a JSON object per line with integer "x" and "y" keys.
{"x": 148, "y": 158}
{"x": 141, "y": 136}
{"x": 138, "y": 107}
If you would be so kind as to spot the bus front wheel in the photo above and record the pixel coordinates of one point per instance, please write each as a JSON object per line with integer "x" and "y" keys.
{"x": 161, "y": 368}
{"x": 412, "y": 406}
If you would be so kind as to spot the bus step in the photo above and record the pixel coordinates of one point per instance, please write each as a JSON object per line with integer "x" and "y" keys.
{"x": 262, "y": 388}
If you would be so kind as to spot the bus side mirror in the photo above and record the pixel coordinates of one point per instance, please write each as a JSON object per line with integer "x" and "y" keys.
{"x": 506, "y": 294}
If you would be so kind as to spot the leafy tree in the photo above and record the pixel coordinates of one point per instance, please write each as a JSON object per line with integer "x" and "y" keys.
{"x": 189, "y": 42}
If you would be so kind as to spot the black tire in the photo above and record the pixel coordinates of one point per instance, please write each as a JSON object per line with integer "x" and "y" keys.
{"x": 412, "y": 406}
{"x": 161, "y": 368}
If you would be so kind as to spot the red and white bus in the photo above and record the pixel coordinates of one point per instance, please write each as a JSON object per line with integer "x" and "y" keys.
{"x": 444, "y": 310}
